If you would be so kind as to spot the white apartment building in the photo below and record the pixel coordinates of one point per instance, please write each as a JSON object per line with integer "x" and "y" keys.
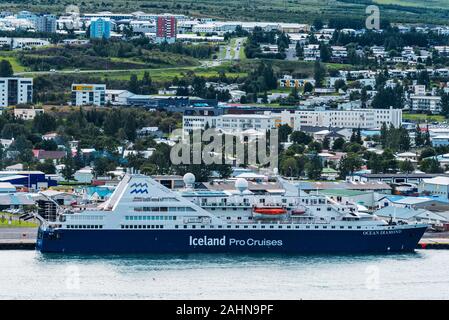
{"x": 27, "y": 114}
{"x": 339, "y": 52}
{"x": 423, "y": 103}
{"x": 354, "y": 118}
{"x": 233, "y": 123}
{"x": 14, "y": 91}
{"x": 290, "y": 82}
{"x": 19, "y": 43}
{"x": 312, "y": 52}
{"x": 88, "y": 94}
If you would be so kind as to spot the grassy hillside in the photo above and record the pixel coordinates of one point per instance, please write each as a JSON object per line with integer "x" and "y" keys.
{"x": 268, "y": 10}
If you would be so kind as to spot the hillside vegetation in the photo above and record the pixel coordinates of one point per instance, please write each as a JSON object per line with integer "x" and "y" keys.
{"x": 262, "y": 10}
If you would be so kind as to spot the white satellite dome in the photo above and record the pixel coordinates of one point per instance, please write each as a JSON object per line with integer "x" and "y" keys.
{"x": 241, "y": 184}
{"x": 189, "y": 179}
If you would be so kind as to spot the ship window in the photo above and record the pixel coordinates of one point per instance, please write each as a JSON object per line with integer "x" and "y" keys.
{"x": 176, "y": 226}
{"x": 324, "y": 227}
{"x": 289, "y": 227}
{"x": 202, "y": 227}
{"x": 245, "y": 227}
{"x": 342, "y": 227}
{"x": 220, "y": 227}
{"x": 279, "y": 227}
{"x": 193, "y": 227}
{"x": 239, "y": 218}
{"x": 271, "y": 227}
{"x": 254, "y": 227}
{"x": 349, "y": 227}
{"x": 359, "y": 227}
{"x": 263, "y": 227}
{"x": 229, "y": 227}
{"x": 333, "y": 227}
{"x": 316, "y": 227}
{"x": 237, "y": 227}
{"x": 296, "y": 227}
{"x": 307, "y": 227}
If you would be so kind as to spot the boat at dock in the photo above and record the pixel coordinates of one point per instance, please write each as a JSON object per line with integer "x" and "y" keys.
{"x": 142, "y": 216}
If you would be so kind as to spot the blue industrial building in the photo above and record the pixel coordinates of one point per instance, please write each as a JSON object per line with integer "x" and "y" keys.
{"x": 30, "y": 179}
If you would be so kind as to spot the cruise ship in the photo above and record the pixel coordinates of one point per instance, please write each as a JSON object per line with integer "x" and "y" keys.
{"x": 143, "y": 216}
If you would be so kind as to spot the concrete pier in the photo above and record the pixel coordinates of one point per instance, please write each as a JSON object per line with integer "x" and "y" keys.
{"x": 18, "y": 238}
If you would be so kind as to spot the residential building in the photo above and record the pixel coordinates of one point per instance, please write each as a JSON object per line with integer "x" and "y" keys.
{"x": 312, "y": 52}
{"x": 289, "y": 82}
{"x": 27, "y": 114}
{"x": 100, "y": 28}
{"x": 166, "y": 29}
{"x": 14, "y": 91}
{"x": 88, "y": 94}
{"x": 117, "y": 97}
{"x": 353, "y": 118}
{"x": 423, "y": 103}
{"x": 46, "y": 23}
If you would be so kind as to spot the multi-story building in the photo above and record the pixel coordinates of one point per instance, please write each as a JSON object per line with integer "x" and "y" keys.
{"x": 353, "y": 118}
{"x": 100, "y": 28}
{"x": 166, "y": 29}
{"x": 14, "y": 91}
{"x": 290, "y": 82}
{"x": 88, "y": 94}
{"x": 423, "y": 103}
{"x": 27, "y": 114}
{"x": 232, "y": 123}
{"x": 46, "y": 23}
{"x": 339, "y": 53}
{"x": 312, "y": 52}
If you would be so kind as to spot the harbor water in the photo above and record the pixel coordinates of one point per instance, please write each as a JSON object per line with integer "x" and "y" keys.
{"x": 32, "y": 275}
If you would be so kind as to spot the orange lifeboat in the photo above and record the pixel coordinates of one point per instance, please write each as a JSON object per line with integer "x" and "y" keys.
{"x": 269, "y": 211}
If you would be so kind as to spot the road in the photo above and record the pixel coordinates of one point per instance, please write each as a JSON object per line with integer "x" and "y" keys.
{"x": 232, "y": 50}
{"x": 238, "y": 46}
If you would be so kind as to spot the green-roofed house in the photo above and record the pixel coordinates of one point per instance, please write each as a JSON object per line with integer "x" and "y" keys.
{"x": 329, "y": 174}
{"x": 367, "y": 199}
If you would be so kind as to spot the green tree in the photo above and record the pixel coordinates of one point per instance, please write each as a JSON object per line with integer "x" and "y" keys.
{"x": 300, "y": 137}
{"x": 338, "y": 144}
{"x": 406, "y": 166}
{"x": 419, "y": 140}
{"x": 6, "y": 69}
{"x": 289, "y": 167}
{"x": 314, "y": 168}
{"x": 431, "y": 165}
{"x": 319, "y": 72}
{"x": 284, "y": 131}
{"x": 308, "y": 87}
{"x": 349, "y": 164}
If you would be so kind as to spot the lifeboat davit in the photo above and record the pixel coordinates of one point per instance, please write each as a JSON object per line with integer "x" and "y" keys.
{"x": 298, "y": 212}
{"x": 269, "y": 212}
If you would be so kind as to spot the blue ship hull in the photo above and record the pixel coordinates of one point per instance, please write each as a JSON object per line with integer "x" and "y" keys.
{"x": 229, "y": 241}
